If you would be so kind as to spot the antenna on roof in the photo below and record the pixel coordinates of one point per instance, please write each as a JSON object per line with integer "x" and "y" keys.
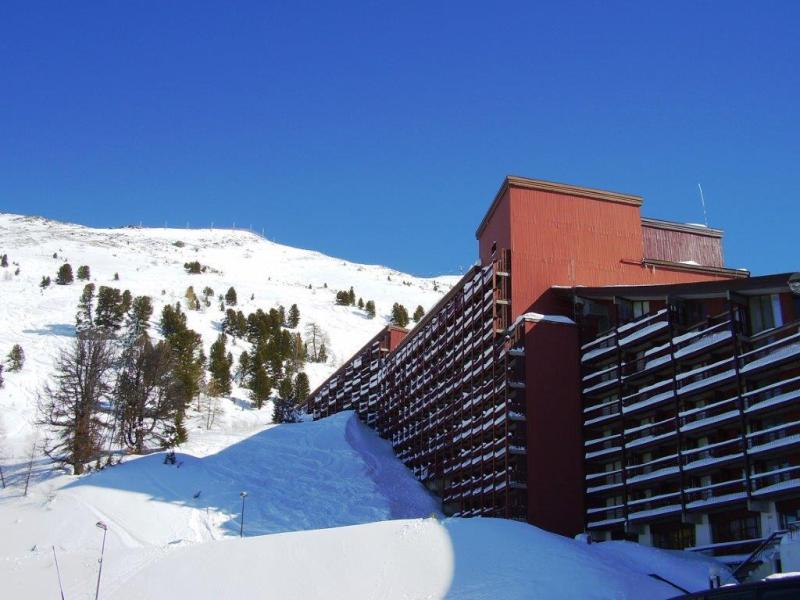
{"x": 703, "y": 202}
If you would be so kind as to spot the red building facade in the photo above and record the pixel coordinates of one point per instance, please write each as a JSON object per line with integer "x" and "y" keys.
{"x": 483, "y": 398}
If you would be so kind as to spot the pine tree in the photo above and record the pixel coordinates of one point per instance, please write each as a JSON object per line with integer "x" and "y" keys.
{"x": 83, "y": 273}
{"x": 418, "y": 314}
{"x": 220, "y": 368}
{"x": 260, "y": 386}
{"x": 187, "y": 346}
{"x": 370, "y": 307}
{"x": 399, "y": 315}
{"x": 109, "y": 311}
{"x": 282, "y": 315}
{"x": 139, "y": 317}
{"x": 322, "y": 356}
{"x": 83, "y": 319}
{"x": 172, "y": 320}
{"x": 116, "y": 276}
{"x": 64, "y": 276}
{"x": 361, "y": 303}
{"x": 4, "y": 260}
{"x": 126, "y": 301}
{"x": 73, "y": 407}
{"x": 146, "y": 402}
{"x": 294, "y": 316}
{"x": 351, "y": 297}
{"x": 45, "y": 283}
{"x": 243, "y": 370}
{"x": 301, "y": 387}
{"x": 1, "y": 376}
{"x": 284, "y": 410}
{"x": 16, "y": 358}
{"x": 342, "y": 298}
{"x": 230, "y": 297}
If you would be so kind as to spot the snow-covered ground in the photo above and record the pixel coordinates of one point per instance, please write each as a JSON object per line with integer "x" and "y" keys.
{"x": 330, "y": 513}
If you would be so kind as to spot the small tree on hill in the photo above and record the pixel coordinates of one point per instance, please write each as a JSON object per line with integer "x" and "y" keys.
{"x": 139, "y": 317}
{"x": 294, "y": 316}
{"x": 4, "y": 260}
{"x": 16, "y": 358}
{"x": 172, "y": 320}
{"x": 45, "y": 283}
{"x": 194, "y": 267}
{"x": 230, "y": 297}
{"x": 84, "y": 319}
{"x": 110, "y": 309}
{"x": 64, "y": 276}
{"x": 284, "y": 409}
{"x": 301, "y": 387}
{"x": 370, "y": 308}
{"x": 322, "y": 355}
{"x": 220, "y": 367}
{"x": 260, "y": 386}
{"x": 399, "y": 315}
{"x": 243, "y": 369}
{"x": 418, "y": 314}
{"x": 83, "y": 273}
{"x": 361, "y": 303}
{"x": 351, "y": 297}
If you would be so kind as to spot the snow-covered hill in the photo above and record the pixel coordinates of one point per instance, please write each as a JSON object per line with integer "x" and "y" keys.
{"x": 150, "y": 262}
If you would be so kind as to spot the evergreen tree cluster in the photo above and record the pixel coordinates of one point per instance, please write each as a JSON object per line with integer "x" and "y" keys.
{"x": 348, "y": 298}
{"x": 4, "y": 261}
{"x": 399, "y": 315}
{"x": 277, "y": 355}
{"x": 194, "y": 267}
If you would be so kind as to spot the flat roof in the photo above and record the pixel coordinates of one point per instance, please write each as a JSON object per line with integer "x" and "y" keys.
{"x": 686, "y": 227}
{"x": 559, "y": 188}
{"x": 749, "y": 286}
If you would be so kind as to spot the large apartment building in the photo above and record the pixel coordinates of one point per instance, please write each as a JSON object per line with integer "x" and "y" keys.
{"x": 560, "y": 381}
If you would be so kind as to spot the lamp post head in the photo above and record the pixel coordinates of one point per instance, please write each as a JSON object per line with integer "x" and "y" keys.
{"x": 102, "y": 525}
{"x": 243, "y": 494}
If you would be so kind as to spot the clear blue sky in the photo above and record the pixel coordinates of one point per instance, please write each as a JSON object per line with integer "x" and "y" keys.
{"x": 380, "y": 131}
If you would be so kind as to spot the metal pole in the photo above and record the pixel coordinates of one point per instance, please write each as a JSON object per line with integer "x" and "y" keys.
{"x": 58, "y": 572}
{"x": 241, "y": 521}
{"x": 104, "y": 527}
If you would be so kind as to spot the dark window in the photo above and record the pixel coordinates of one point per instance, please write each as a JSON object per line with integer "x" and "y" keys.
{"x": 734, "y": 530}
{"x": 761, "y": 313}
{"x": 673, "y": 536}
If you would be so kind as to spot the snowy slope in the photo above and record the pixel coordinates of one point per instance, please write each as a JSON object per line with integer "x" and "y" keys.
{"x": 347, "y": 521}
{"x": 149, "y": 263}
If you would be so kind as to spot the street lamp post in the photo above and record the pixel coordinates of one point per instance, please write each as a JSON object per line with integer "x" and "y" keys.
{"x": 241, "y": 521}
{"x": 104, "y": 527}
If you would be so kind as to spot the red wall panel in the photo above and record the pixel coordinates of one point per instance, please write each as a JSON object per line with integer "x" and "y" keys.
{"x": 555, "y": 447}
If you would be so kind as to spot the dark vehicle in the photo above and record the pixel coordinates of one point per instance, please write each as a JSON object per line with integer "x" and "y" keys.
{"x": 774, "y": 589}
